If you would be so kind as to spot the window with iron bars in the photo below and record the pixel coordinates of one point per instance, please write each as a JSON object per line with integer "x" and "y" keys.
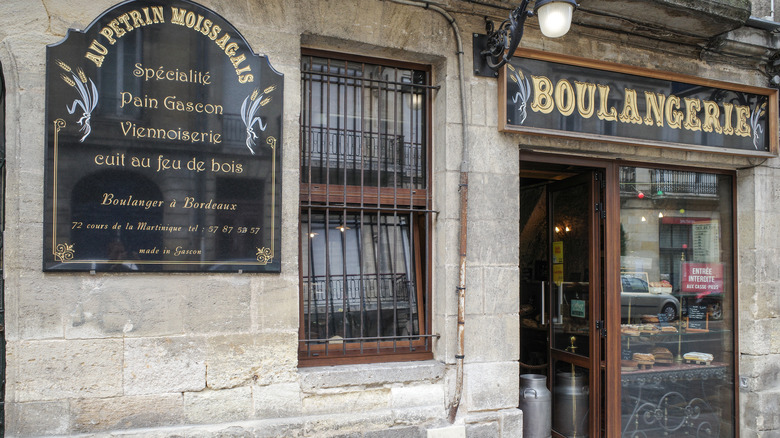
{"x": 364, "y": 210}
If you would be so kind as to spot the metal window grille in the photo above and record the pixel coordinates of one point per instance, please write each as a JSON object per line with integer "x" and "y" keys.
{"x": 364, "y": 208}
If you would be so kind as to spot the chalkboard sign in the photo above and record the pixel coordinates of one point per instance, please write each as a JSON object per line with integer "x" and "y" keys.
{"x": 164, "y": 145}
{"x": 626, "y": 354}
{"x": 698, "y": 318}
{"x": 663, "y": 320}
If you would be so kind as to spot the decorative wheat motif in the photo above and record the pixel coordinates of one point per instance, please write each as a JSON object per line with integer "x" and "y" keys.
{"x": 88, "y": 92}
{"x": 525, "y": 91}
{"x": 758, "y": 130}
{"x": 249, "y": 109}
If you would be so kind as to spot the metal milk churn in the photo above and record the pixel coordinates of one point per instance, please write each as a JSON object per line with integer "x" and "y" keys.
{"x": 536, "y": 404}
{"x": 571, "y": 404}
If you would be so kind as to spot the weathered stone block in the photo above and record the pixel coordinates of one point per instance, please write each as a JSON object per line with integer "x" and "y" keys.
{"x": 501, "y": 286}
{"x": 428, "y": 415}
{"x": 217, "y": 407}
{"x": 483, "y": 430}
{"x": 234, "y": 360}
{"x": 759, "y": 410}
{"x": 164, "y": 365}
{"x": 214, "y": 297}
{"x": 37, "y": 418}
{"x": 104, "y": 414}
{"x": 475, "y": 290}
{"x": 347, "y": 401}
{"x": 511, "y": 423}
{"x": 275, "y": 304}
{"x": 349, "y": 424}
{"x": 407, "y": 396}
{"x": 447, "y": 432}
{"x": 369, "y": 375}
{"x": 28, "y": 17}
{"x": 143, "y": 308}
{"x": 491, "y": 155}
{"x": 279, "y": 400}
{"x": 491, "y": 386}
{"x": 503, "y": 230}
{"x": 40, "y": 311}
{"x": 397, "y": 432}
{"x": 54, "y": 370}
{"x": 762, "y": 371}
{"x": 492, "y": 338}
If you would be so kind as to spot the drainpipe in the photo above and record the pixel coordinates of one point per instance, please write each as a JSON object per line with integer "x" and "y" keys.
{"x": 463, "y": 189}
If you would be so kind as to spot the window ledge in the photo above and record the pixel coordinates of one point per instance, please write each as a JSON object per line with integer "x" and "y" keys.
{"x": 376, "y": 374}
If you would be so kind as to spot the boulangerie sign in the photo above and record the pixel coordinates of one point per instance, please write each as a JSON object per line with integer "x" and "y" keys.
{"x": 554, "y": 95}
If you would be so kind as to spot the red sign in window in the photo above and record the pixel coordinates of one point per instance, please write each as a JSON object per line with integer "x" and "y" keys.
{"x": 702, "y": 278}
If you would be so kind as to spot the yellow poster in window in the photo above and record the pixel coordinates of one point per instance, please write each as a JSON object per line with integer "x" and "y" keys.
{"x": 558, "y": 273}
{"x": 557, "y": 252}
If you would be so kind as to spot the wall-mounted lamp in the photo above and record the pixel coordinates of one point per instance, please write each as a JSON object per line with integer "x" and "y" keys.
{"x": 497, "y": 47}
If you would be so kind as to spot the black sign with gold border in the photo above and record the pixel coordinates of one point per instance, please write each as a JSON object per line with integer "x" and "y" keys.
{"x": 564, "y": 96}
{"x": 163, "y": 146}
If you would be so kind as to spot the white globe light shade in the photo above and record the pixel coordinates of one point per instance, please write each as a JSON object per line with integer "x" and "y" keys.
{"x": 555, "y": 18}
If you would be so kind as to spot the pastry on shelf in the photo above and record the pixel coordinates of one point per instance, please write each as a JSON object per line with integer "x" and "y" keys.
{"x": 649, "y": 328}
{"x": 644, "y": 360}
{"x": 668, "y": 329}
{"x": 649, "y": 318}
{"x": 629, "y": 330}
{"x": 662, "y": 355}
{"x": 698, "y": 358}
{"x": 628, "y": 365}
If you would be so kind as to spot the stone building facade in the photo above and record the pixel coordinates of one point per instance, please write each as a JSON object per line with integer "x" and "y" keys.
{"x": 218, "y": 354}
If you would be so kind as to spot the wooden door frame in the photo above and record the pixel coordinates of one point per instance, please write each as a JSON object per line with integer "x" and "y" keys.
{"x": 611, "y": 279}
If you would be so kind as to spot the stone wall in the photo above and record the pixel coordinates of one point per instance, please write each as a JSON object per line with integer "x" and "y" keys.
{"x": 215, "y": 354}
{"x": 160, "y": 354}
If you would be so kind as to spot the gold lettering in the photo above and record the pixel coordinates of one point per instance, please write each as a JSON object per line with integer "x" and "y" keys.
{"x": 728, "y": 110}
{"x": 118, "y": 31}
{"x": 125, "y": 19}
{"x": 586, "y": 91}
{"x": 190, "y": 20}
{"x": 157, "y": 12}
{"x": 692, "y": 122}
{"x": 655, "y": 101}
{"x": 743, "y": 129}
{"x": 603, "y": 114}
{"x": 108, "y": 34}
{"x": 100, "y": 50}
{"x": 222, "y": 41}
{"x": 177, "y": 16}
{"x": 564, "y": 97}
{"x": 237, "y": 60}
{"x": 673, "y": 116}
{"x": 215, "y": 32}
{"x": 711, "y": 117}
{"x": 630, "y": 112}
{"x": 138, "y": 21}
{"x": 543, "y": 100}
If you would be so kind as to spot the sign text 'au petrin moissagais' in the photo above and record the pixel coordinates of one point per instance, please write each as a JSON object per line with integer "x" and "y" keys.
{"x": 163, "y": 145}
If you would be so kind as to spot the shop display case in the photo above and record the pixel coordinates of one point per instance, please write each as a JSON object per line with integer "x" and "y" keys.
{"x": 677, "y": 318}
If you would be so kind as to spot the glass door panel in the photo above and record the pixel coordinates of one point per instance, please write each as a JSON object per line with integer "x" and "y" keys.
{"x": 677, "y": 315}
{"x": 570, "y": 229}
{"x": 575, "y": 279}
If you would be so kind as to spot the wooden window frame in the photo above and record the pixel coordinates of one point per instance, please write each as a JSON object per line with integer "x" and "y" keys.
{"x": 341, "y": 199}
